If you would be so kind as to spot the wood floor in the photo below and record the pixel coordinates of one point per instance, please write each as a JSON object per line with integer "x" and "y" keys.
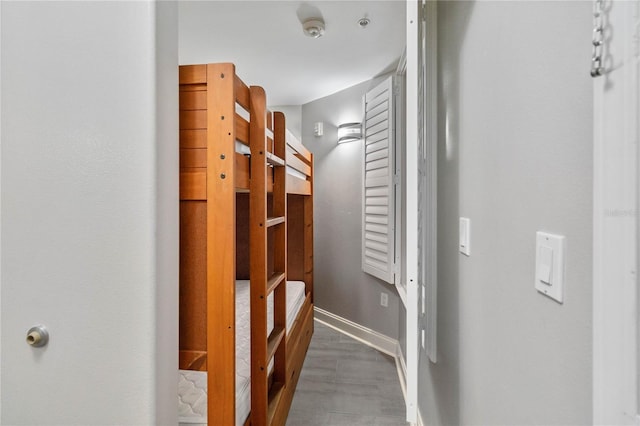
{"x": 346, "y": 383}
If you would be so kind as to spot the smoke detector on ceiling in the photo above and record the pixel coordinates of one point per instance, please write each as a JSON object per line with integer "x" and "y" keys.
{"x": 313, "y": 27}
{"x": 363, "y": 22}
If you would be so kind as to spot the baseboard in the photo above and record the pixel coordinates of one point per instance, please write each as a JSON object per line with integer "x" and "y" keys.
{"x": 369, "y": 337}
{"x": 420, "y": 421}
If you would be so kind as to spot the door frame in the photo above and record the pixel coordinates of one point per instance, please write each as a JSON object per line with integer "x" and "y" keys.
{"x": 616, "y": 237}
{"x": 411, "y": 211}
{"x": 421, "y": 189}
{"x": 0, "y": 211}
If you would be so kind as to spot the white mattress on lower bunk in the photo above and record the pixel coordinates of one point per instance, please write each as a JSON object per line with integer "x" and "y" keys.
{"x": 192, "y": 386}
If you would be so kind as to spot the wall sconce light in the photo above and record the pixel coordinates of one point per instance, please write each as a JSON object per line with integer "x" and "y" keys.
{"x": 349, "y": 132}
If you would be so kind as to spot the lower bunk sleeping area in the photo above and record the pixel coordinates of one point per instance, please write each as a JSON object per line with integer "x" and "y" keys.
{"x": 192, "y": 386}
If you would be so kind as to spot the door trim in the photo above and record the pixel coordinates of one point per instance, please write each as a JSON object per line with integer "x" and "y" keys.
{"x": 616, "y": 193}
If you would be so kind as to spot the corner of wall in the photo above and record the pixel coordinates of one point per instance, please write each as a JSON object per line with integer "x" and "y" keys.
{"x": 166, "y": 213}
{"x": 0, "y": 211}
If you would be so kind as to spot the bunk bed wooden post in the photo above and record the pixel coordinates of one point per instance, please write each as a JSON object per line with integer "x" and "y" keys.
{"x": 308, "y": 235}
{"x": 264, "y": 348}
{"x": 280, "y": 239}
{"x": 221, "y": 242}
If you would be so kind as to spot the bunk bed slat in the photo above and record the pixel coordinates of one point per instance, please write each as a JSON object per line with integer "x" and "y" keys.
{"x": 193, "y": 138}
{"x": 193, "y": 87}
{"x": 193, "y": 185}
{"x": 242, "y": 171}
{"x": 275, "y": 337}
{"x": 298, "y": 186}
{"x": 275, "y": 396}
{"x": 193, "y": 360}
{"x": 301, "y": 150}
{"x": 242, "y": 129}
{"x": 193, "y": 157}
{"x": 193, "y": 74}
{"x": 242, "y": 93}
{"x": 190, "y": 100}
{"x": 297, "y": 164}
{"x": 275, "y": 280}
{"x": 273, "y": 221}
{"x": 196, "y": 119}
{"x": 275, "y": 160}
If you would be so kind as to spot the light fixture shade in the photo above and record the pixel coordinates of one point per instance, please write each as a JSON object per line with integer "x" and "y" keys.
{"x": 349, "y": 132}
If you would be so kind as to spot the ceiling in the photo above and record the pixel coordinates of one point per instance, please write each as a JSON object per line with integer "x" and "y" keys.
{"x": 264, "y": 39}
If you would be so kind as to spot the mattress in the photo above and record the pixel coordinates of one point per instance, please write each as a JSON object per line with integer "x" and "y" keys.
{"x": 192, "y": 385}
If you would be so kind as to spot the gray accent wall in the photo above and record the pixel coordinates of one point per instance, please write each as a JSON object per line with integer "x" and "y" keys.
{"x": 340, "y": 285}
{"x": 515, "y": 156}
{"x": 293, "y": 116}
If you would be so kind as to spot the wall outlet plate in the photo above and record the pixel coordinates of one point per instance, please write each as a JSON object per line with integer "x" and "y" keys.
{"x": 384, "y": 299}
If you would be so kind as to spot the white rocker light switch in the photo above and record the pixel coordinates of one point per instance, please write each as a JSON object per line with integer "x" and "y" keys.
{"x": 550, "y": 265}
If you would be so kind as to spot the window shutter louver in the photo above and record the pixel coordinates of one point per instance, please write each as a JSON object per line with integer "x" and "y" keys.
{"x": 378, "y": 233}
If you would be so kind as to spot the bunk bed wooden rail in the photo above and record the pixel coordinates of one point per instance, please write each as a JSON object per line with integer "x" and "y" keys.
{"x": 301, "y": 161}
{"x": 229, "y": 144}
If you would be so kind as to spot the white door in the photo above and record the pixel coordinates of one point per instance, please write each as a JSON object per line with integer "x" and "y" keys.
{"x": 89, "y": 215}
{"x": 616, "y": 192}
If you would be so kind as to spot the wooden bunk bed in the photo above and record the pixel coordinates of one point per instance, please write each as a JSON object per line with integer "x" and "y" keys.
{"x": 246, "y": 219}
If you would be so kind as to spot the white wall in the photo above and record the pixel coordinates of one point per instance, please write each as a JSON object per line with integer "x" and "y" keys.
{"x": 340, "y": 286}
{"x": 89, "y": 212}
{"x": 515, "y": 156}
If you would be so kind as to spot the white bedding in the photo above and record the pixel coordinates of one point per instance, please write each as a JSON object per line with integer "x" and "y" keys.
{"x": 192, "y": 386}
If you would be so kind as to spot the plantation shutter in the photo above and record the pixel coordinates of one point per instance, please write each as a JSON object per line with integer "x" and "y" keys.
{"x": 378, "y": 233}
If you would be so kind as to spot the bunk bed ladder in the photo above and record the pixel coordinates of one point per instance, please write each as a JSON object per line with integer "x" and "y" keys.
{"x": 267, "y": 234}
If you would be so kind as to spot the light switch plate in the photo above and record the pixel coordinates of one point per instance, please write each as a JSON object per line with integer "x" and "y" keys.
{"x": 549, "y": 273}
{"x": 465, "y": 236}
